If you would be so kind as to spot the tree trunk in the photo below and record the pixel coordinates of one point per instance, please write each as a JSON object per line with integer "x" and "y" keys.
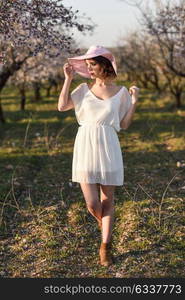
{"x": 48, "y": 91}
{"x": 55, "y": 88}
{"x": 144, "y": 83}
{"x": 23, "y": 97}
{"x": 2, "y": 119}
{"x": 154, "y": 79}
{"x": 178, "y": 99}
{"x": 8, "y": 71}
{"x": 5, "y": 74}
{"x": 37, "y": 87}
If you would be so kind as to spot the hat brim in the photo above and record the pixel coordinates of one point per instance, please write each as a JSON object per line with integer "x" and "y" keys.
{"x": 80, "y": 66}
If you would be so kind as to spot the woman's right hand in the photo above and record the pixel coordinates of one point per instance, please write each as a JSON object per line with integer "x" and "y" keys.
{"x": 68, "y": 71}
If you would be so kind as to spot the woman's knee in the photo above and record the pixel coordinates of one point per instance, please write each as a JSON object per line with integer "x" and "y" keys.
{"x": 107, "y": 203}
{"x": 107, "y": 197}
{"x": 92, "y": 206}
{"x": 90, "y": 192}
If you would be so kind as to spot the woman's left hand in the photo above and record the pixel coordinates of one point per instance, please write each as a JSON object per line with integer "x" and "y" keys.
{"x": 134, "y": 91}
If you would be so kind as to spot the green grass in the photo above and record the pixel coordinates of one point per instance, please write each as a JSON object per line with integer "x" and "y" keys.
{"x": 45, "y": 228}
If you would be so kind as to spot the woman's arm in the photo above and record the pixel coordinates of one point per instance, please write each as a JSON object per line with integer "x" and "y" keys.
{"x": 125, "y": 123}
{"x": 65, "y": 102}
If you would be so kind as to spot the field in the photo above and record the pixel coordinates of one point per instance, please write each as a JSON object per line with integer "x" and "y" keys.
{"x": 45, "y": 228}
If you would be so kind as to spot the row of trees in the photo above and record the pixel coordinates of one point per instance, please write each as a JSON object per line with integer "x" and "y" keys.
{"x": 38, "y": 72}
{"x": 156, "y": 55}
{"x": 35, "y": 39}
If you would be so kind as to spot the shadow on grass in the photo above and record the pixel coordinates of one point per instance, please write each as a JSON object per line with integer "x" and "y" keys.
{"x": 122, "y": 257}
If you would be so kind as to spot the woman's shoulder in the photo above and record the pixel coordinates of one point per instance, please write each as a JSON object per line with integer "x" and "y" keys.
{"x": 82, "y": 84}
{"x": 118, "y": 88}
{"x": 79, "y": 87}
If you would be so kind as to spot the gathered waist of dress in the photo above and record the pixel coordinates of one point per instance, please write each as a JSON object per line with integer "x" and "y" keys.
{"x": 93, "y": 124}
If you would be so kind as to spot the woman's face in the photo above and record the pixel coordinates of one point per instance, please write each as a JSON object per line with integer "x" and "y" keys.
{"x": 94, "y": 68}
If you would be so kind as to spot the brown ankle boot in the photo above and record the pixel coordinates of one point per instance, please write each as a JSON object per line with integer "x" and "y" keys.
{"x": 105, "y": 254}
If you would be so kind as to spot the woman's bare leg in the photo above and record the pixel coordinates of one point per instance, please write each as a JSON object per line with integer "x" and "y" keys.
{"x": 107, "y": 204}
{"x": 90, "y": 192}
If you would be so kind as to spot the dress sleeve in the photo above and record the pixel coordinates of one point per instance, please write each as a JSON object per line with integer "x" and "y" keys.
{"x": 77, "y": 96}
{"x": 125, "y": 104}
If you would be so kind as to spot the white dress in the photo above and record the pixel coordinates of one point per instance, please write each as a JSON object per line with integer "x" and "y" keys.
{"x": 97, "y": 156}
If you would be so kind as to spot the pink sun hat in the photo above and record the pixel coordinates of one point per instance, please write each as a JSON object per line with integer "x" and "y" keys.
{"x": 79, "y": 65}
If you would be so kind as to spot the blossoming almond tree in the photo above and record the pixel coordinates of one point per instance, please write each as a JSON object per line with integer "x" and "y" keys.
{"x": 37, "y": 25}
{"x": 168, "y": 28}
{"x": 165, "y": 21}
{"x": 30, "y": 27}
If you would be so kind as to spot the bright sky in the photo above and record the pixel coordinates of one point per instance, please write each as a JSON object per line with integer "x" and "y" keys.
{"x": 114, "y": 18}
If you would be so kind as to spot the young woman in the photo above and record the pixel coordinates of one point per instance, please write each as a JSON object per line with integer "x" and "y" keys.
{"x": 102, "y": 109}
